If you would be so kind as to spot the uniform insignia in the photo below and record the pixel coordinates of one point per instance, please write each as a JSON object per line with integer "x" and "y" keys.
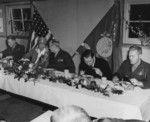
{"x": 60, "y": 60}
{"x": 141, "y": 72}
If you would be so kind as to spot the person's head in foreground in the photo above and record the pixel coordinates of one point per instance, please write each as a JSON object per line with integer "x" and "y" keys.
{"x": 134, "y": 54}
{"x": 70, "y": 113}
{"x": 2, "y": 120}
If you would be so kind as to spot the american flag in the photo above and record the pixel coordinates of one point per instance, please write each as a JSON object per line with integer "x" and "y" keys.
{"x": 38, "y": 29}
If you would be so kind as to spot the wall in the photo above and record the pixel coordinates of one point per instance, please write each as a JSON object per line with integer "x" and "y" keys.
{"x": 70, "y": 20}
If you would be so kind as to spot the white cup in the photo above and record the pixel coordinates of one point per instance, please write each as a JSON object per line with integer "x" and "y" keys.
{"x": 104, "y": 79}
{"x": 66, "y": 71}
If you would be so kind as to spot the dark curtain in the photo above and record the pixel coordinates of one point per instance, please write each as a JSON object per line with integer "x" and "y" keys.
{"x": 117, "y": 50}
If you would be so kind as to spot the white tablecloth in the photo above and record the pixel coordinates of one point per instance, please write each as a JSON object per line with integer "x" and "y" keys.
{"x": 130, "y": 105}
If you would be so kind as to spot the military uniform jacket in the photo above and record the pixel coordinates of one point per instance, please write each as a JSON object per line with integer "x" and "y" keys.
{"x": 61, "y": 61}
{"x": 17, "y": 52}
{"x": 141, "y": 73}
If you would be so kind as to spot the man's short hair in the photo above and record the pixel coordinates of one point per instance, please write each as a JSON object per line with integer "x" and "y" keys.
{"x": 87, "y": 53}
{"x": 55, "y": 42}
{"x": 11, "y": 37}
{"x": 135, "y": 47}
{"x": 70, "y": 113}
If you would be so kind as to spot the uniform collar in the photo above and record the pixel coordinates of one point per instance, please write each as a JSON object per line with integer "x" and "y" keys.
{"x": 93, "y": 61}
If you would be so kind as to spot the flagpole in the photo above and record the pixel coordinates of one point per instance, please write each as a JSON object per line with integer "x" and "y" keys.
{"x": 31, "y": 5}
{"x": 74, "y": 55}
{"x": 28, "y": 44}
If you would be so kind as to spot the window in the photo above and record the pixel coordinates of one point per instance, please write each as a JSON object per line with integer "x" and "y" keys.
{"x": 137, "y": 21}
{"x": 19, "y": 19}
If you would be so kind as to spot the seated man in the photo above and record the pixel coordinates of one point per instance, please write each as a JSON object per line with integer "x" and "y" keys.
{"x": 116, "y": 120}
{"x": 13, "y": 50}
{"x": 60, "y": 59}
{"x": 134, "y": 69}
{"x": 40, "y": 54}
{"x": 70, "y": 113}
{"x": 91, "y": 65}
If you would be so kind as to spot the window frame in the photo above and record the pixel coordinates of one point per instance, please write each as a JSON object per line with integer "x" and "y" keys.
{"x": 3, "y": 34}
{"x": 9, "y": 18}
{"x": 126, "y": 39}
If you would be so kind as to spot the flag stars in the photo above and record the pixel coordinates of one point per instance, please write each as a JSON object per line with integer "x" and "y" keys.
{"x": 38, "y": 25}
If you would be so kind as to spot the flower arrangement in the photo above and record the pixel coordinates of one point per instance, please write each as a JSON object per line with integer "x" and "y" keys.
{"x": 23, "y": 69}
{"x": 27, "y": 70}
{"x": 30, "y": 72}
{"x": 7, "y": 65}
{"x": 105, "y": 88}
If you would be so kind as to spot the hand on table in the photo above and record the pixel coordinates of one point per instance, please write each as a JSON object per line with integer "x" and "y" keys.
{"x": 98, "y": 71}
{"x": 82, "y": 72}
{"x": 136, "y": 82}
{"x": 9, "y": 57}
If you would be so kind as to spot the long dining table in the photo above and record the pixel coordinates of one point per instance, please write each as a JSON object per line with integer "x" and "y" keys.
{"x": 132, "y": 104}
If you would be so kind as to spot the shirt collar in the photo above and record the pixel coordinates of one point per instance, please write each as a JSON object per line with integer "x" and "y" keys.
{"x": 93, "y": 61}
{"x": 136, "y": 65}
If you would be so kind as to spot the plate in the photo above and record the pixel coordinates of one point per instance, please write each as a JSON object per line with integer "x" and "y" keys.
{"x": 49, "y": 69}
{"x": 59, "y": 73}
{"x": 87, "y": 76}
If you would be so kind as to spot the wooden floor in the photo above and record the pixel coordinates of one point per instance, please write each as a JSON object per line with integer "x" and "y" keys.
{"x": 19, "y": 109}
{"x": 15, "y": 108}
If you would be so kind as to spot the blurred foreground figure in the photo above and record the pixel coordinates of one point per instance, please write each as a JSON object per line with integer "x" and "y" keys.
{"x": 116, "y": 120}
{"x": 70, "y": 114}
